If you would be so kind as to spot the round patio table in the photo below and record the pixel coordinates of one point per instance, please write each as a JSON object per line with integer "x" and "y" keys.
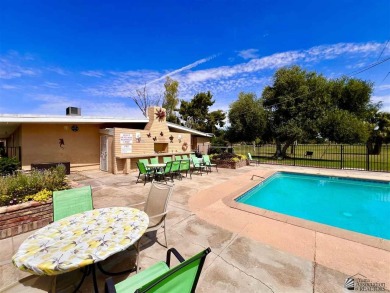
{"x": 80, "y": 240}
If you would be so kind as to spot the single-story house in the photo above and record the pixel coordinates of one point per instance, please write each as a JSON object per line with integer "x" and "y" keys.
{"x": 109, "y": 144}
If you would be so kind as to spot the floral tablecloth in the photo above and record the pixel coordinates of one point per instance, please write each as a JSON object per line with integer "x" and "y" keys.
{"x": 80, "y": 240}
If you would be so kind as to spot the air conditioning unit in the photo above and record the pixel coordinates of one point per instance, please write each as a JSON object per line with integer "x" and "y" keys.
{"x": 73, "y": 111}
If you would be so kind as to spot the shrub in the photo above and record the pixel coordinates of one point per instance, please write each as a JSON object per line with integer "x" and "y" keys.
{"x": 228, "y": 157}
{"x": 22, "y": 187}
{"x": 8, "y": 165}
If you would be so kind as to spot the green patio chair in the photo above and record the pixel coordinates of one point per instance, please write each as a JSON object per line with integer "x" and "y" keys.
{"x": 177, "y": 158}
{"x": 145, "y": 162}
{"x": 154, "y": 160}
{"x": 197, "y": 166}
{"x": 165, "y": 172}
{"x": 167, "y": 159}
{"x": 143, "y": 171}
{"x": 251, "y": 160}
{"x": 208, "y": 164}
{"x": 161, "y": 277}
{"x": 175, "y": 170}
{"x": 185, "y": 157}
{"x": 71, "y": 201}
{"x": 185, "y": 166}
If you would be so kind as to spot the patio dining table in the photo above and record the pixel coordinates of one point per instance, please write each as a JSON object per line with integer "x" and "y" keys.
{"x": 80, "y": 240}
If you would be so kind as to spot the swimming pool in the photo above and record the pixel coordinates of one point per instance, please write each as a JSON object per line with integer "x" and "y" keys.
{"x": 354, "y": 204}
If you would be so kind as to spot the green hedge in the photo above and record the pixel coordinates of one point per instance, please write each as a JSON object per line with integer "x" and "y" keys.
{"x": 8, "y": 165}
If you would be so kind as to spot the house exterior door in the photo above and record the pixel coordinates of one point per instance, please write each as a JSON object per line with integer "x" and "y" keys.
{"x": 104, "y": 153}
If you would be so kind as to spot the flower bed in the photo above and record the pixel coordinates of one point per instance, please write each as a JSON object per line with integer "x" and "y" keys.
{"x": 26, "y": 200}
{"x": 228, "y": 160}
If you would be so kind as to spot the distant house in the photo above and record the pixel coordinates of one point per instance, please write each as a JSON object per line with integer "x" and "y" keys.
{"x": 109, "y": 144}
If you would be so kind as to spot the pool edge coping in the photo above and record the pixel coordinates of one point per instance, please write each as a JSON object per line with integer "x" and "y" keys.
{"x": 364, "y": 239}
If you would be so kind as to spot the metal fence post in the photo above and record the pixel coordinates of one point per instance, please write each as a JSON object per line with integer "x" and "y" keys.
{"x": 294, "y": 147}
{"x": 341, "y": 156}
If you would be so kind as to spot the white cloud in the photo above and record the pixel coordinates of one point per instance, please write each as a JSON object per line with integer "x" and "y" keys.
{"x": 58, "y": 70}
{"x": 7, "y": 87}
{"x": 52, "y": 85}
{"x": 92, "y": 73}
{"x": 10, "y": 68}
{"x": 383, "y": 87}
{"x": 248, "y": 54}
{"x": 385, "y": 99}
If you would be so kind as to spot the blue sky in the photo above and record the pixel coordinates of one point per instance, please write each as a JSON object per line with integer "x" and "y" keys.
{"x": 95, "y": 54}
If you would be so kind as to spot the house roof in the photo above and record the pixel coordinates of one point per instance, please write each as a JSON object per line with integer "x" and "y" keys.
{"x": 186, "y": 129}
{"x": 9, "y": 122}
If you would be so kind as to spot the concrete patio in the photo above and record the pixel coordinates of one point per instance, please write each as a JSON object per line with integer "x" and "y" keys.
{"x": 250, "y": 253}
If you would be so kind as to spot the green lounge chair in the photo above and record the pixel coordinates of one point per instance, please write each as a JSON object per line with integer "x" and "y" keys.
{"x": 177, "y": 158}
{"x": 143, "y": 171}
{"x": 251, "y": 160}
{"x": 167, "y": 159}
{"x": 161, "y": 277}
{"x": 71, "y": 201}
{"x": 185, "y": 157}
{"x": 208, "y": 164}
{"x": 185, "y": 166}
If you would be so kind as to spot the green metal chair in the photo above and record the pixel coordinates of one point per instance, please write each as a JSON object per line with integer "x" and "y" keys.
{"x": 175, "y": 170}
{"x": 208, "y": 164}
{"x": 161, "y": 277}
{"x": 185, "y": 166}
{"x": 177, "y": 158}
{"x": 154, "y": 160}
{"x": 167, "y": 159}
{"x": 143, "y": 171}
{"x": 185, "y": 157}
{"x": 196, "y": 165}
{"x": 71, "y": 201}
{"x": 166, "y": 172}
{"x": 145, "y": 162}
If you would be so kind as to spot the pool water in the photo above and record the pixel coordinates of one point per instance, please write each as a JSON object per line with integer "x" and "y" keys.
{"x": 354, "y": 204}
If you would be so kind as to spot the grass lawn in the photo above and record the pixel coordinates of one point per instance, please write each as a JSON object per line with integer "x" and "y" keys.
{"x": 323, "y": 156}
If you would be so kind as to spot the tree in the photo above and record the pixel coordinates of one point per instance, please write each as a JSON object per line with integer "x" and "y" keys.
{"x": 195, "y": 113}
{"x": 352, "y": 95}
{"x": 144, "y": 101}
{"x": 295, "y": 103}
{"x": 171, "y": 100}
{"x": 247, "y": 118}
{"x": 342, "y": 126}
{"x": 379, "y": 132}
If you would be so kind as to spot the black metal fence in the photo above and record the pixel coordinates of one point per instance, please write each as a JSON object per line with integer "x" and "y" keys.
{"x": 333, "y": 156}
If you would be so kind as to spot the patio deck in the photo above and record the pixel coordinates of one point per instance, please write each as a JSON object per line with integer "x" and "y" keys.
{"x": 250, "y": 253}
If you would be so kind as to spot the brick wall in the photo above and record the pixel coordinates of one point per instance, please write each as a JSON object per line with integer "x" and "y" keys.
{"x": 25, "y": 217}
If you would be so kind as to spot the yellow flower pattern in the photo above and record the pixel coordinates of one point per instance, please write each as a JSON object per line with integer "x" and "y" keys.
{"x": 80, "y": 240}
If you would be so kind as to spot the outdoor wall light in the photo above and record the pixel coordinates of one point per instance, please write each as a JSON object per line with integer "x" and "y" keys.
{"x": 149, "y": 135}
{"x": 154, "y": 138}
{"x": 171, "y": 138}
{"x": 161, "y": 133}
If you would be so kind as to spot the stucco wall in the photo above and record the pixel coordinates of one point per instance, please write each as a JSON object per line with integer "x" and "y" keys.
{"x": 40, "y": 143}
{"x": 202, "y": 144}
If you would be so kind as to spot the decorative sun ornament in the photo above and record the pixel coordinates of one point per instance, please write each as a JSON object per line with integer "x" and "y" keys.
{"x": 160, "y": 114}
